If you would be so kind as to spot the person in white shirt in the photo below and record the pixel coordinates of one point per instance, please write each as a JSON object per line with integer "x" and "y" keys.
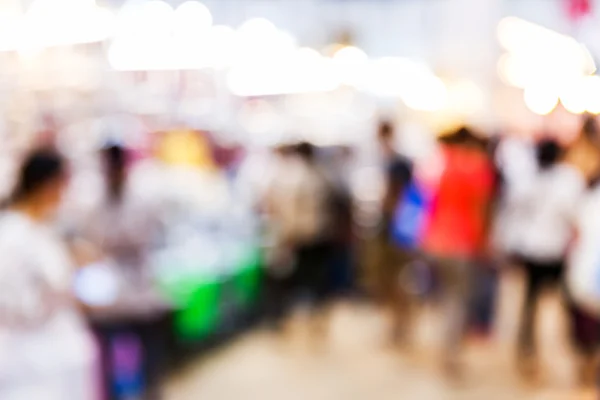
{"x": 300, "y": 217}
{"x": 46, "y": 350}
{"x": 583, "y": 266}
{"x": 123, "y": 219}
{"x": 545, "y": 206}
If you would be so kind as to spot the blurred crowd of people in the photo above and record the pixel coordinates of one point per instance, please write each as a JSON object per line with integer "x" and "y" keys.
{"x": 446, "y": 227}
{"x": 449, "y": 225}
{"x": 47, "y": 349}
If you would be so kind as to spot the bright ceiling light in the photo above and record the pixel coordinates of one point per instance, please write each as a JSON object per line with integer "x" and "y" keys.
{"x": 582, "y": 95}
{"x": 302, "y": 72}
{"x": 540, "y": 100}
{"x": 49, "y": 7}
{"x": 56, "y": 23}
{"x": 519, "y": 36}
{"x": 308, "y": 54}
{"x": 257, "y": 28}
{"x": 515, "y": 33}
{"x": 223, "y": 45}
{"x": 155, "y": 36}
{"x": 573, "y": 96}
{"x": 261, "y": 42}
{"x": 157, "y": 10}
{"x": 391, "y": 76}
{"x": 155, "y": 20}
{"x": 465, "y": 97}
{"x": 351, "y": 64}
{"x": 538, "y": 56}
{"x": 350, "y": 54}
{"x": 527, "y": 69}
{"x": 410, "y": 80}
{"x": 10, "y": 29}
{"x": 192, "y": 18}
{"x": 425, "y": 93}
{"x": 511, "y": 72}
{"x": 593, "y": 94}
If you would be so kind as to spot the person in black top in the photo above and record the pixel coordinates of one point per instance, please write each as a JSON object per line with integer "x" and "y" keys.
{"x": 398, "y": 173}
{"x": 391, "y": 260}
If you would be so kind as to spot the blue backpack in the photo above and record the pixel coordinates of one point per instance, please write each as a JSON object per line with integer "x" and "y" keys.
{"x": 409, "y": 216}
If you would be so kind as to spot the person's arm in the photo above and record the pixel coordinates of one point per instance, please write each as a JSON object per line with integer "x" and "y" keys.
{"x": 28, "y": 302}
{"x": 489, "y": 213}
{"x": 396, "y": 182}
{"x": 83, "y": 251}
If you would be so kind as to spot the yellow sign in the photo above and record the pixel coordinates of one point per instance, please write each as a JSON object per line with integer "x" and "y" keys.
{"x": 185, "y": 147}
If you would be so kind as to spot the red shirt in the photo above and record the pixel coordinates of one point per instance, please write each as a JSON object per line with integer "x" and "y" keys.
{"x": 456, "y": 224}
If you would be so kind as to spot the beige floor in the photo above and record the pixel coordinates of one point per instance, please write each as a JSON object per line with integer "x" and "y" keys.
{"x": 355, "y": 364}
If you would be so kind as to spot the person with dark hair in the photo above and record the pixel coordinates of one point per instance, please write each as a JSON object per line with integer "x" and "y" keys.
{"x": 115, "y": 158}
{"x": 46, "y": 350}
{"x": 456, "y": 233}
{"x": 121, "y": 226}
{"x": 124, "y": 222}
{"x": 548, "y": 152}
{"x": 546, "y": 206}
{"x": 299, "y": 213}
{"x": 311, "y": 232}
{"x": 306, "y": 151}
{"x": 390, "y": 259}
{"x": 584, "y": 154}
{"x": 343, "y": 278}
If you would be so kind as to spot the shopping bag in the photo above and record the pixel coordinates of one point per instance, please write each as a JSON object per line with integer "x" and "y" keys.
{"x": 410, "y": 216}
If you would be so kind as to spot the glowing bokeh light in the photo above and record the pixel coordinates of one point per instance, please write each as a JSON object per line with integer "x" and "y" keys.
{"x": 350, "y": 54}
{"x": 425, "y": 93}
{"x": 538, "y": 56}
{"x": 351, "y": 64}
{"x": 465, "y": 97}
{"x": 155, "y": 36}
{"x": 302, "y": 72}
{"x": 57, "y": 23}
{"x": 192, "y": 18}
{"x": 155, "y": 22}
{"x": 593, "y": 94}
{"x": 223, "y": 46}
{"x": 540, "y": 100}
{"x": 257, "y": 28}
{"x": 573, "y": 96}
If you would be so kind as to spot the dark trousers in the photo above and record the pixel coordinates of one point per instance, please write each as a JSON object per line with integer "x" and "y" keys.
{"x": 154, "y": 338}
{"x": 538, "y": 275}
{"x": 309, "y": 281}
{"x": 312, "y": 276}
{"x": 275, "y": 299}
{"x": 343, "y": 278}
{"x": 483, "y": 297}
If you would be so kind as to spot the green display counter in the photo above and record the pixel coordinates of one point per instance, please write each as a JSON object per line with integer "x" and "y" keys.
{"x": 206, "y": 304}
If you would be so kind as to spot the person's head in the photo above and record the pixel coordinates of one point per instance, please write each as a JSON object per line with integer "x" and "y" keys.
{"x": 590, "y": 129}
{"x": 305, "y": 151}
{"x": 386, "y": 135}
{"x": 464, "y": 137}
{"x": 115, "y": 162}
{"x": 548, "y": 153}
{"x": 40, "y": 183}
{"x": 281, "y": 150}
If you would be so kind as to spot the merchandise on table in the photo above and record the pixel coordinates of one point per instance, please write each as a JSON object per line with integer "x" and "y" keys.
{"x": 212, "y": 276}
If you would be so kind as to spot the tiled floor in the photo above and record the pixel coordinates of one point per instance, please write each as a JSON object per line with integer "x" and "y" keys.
{"x": 354, "y": 364}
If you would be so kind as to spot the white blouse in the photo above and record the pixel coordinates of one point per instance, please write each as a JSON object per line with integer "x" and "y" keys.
{"x": 42, "y": 333}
